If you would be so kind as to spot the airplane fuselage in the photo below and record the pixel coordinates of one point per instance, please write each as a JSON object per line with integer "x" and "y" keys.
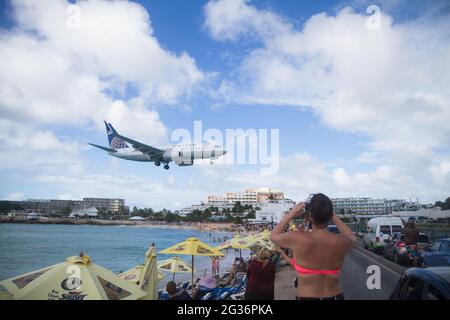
{"x": 180, "y": 154}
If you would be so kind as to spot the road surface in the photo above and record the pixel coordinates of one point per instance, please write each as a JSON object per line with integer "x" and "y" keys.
{"x": 353, "y": 279}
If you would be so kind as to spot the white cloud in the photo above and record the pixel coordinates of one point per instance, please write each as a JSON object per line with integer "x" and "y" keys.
{"x": 112, "y": 68}
{"x": 389, "y": 84}
{"x": 15, "y": 196}
{"x": 52, "y": 74}
{"x": 231, "y": 19}
{"x": 302, "y": 174}
{"x": 136, "y": 190}
{"x": 25, "y": 147}
{"x": 66, "y": 196}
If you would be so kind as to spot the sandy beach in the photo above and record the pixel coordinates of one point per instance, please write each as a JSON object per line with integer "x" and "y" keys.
{"x": 200, "y": 226}
{"x": 284, "y": 283}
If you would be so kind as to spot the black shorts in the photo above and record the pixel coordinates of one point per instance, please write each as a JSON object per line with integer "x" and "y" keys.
{"x": 336, "y": 297}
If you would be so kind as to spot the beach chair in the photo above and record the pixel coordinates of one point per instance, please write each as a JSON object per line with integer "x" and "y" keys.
{"x": 238, "y": 296}
{"x": 163, "y": 295}
{"x": 239, "y": 285}
{"x": 225, "y": 292}
{"x": 185, "y": 285}
{"x": 208, "y": 296}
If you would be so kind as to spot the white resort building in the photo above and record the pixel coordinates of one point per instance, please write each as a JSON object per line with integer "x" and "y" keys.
{"x": 84, "y": 213}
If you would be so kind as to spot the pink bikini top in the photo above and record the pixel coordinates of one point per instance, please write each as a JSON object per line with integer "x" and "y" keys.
{"x": 302, "y": 270}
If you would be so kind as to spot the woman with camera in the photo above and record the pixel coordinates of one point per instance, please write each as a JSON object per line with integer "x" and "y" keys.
{"x": 318, "y": 253}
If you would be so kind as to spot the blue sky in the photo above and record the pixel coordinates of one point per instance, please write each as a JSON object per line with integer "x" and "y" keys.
{"x": 260, "y": 66}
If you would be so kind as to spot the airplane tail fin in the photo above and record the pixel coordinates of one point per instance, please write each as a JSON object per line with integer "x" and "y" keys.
{"x": 114, "y": 141}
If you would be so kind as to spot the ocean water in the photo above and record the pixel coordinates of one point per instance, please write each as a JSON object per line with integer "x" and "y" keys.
{"x": 28, "y": 247}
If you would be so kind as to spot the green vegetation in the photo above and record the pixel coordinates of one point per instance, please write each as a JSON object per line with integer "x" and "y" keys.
{"x": 443, "y": 205}
{"x": 236, "y": 215}
{"x": 8, "y": 206}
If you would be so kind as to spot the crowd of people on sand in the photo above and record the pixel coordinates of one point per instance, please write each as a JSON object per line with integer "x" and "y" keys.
{"x": 316, "y": 254}
{"x": 259, "y": 272}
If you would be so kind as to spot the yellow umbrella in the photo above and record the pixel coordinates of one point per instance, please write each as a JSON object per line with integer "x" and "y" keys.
{"x": 193, "y": 247}
{"x": 77, "y": 278}
{"x": 238, "y": 242}
{"x": 262, "y": 240}
{"x": 148, "y": 279}
{"x": 174, "y": 265}
{"x": 265, "y": 244}
{"x": 134, "y": 274}
{"x": 263, "y": 234}
{"x": 223, "y": 246}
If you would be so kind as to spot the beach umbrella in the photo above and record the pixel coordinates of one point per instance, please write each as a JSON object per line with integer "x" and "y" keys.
{"x": 77, "y": 278}
{"x": 265, "y": 234}
{"x": 262, "y": 240}
{"x": 192, "y": 247}
{"x": 267, "y": 244}
{"x": 4, "y": 294}
{"x": 238, "y": 242}
{"x": 225, "y": 245}
{"x": 174, "y": 265}
{"x": 148, "y": 278}
{"x": 134, "y": 274}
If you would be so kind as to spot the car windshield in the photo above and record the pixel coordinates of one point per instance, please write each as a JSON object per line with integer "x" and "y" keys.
{"x": 396, "y": 229}
{"x": 445, "y": 246}
{"x": 385, "y": 229}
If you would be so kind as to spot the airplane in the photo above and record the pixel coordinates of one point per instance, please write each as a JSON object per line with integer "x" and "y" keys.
{"x": 182, "y": 154}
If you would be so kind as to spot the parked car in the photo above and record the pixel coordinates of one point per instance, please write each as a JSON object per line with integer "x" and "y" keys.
{"x": 395, "y": 248}
{"x": 379, "y": 229}
{"x": 423, "y": 284}
{"x": 438, "y": 254}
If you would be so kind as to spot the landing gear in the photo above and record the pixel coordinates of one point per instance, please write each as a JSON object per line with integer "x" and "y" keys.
{"x": 157, "y": 163}
{"x": 211, "y": 162}
{"x": 166, "y": 166}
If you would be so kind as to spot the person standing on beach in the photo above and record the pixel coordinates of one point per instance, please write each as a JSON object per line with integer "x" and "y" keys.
{"x": 318, "y": 254}
{"x": 215, "y": 266}
{"x": 260, "y": 278}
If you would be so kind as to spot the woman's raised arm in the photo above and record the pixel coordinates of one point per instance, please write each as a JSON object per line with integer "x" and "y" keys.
{"x": 344, "y": 230}
{"x": 278, "y": 234}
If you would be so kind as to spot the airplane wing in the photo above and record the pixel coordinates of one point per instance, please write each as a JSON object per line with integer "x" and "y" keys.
{"x": 151, "y": 151}
{"x": 103, "y": 148}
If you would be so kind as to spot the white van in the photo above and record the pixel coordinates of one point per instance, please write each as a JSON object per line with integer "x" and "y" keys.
{"x": 379, "y": 229}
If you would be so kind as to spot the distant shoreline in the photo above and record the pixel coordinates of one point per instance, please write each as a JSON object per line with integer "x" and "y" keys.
{"x": 200, "y": 226}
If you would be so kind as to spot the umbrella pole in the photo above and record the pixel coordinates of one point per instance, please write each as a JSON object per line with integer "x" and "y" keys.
{"x": 240, "y": 253}
{"x": 192, "y": 273}
{"x": 173, "y": 279}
